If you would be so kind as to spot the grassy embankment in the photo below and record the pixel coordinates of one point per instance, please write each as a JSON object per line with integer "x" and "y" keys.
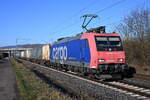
{"x": 32, "y": 87}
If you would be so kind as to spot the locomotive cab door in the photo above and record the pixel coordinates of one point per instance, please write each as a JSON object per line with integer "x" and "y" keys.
{"x": 85, "y": 52}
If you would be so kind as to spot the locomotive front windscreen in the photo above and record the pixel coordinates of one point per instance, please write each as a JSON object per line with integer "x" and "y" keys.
{"x": 108, "y": 43}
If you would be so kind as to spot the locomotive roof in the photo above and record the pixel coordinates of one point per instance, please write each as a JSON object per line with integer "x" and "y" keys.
{"x": 78, "y": 36}
{"x": 66, "y": 39}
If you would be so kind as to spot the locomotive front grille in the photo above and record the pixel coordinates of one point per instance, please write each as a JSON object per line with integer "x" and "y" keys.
{"x": 111, "y": 68}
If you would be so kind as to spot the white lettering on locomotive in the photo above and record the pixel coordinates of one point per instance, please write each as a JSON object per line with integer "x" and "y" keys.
{"x": 60, "y": 53}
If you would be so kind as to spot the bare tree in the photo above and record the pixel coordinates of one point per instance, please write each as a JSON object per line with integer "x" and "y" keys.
{"x": 135, "y": 30}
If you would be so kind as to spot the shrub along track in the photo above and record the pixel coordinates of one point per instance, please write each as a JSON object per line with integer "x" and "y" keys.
{"x": 137, "y": 92}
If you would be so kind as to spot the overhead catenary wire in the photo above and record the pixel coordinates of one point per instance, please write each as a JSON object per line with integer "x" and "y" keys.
{"x": 101, "y": 10}
{"x": 78, "y": 12}
{"x": 101, "y": 21}
{"x": 110, "y": 6}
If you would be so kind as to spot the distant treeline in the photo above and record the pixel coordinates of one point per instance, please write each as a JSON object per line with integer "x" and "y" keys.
{"x": 135, "y": 31}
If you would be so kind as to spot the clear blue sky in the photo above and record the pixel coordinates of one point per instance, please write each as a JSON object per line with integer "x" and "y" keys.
{"x": 42, "y": 21}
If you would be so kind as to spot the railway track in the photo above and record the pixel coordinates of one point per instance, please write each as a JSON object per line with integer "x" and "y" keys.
{"x": 139, "y": 83}
{"x": 132, "y": 89}
{"x": 135, "y": 91}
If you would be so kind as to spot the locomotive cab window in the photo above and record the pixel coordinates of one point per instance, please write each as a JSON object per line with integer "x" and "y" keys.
{"x": 101, "y": 41}
{"x": 108, "y": 43}
{"x": 115, "y": 41}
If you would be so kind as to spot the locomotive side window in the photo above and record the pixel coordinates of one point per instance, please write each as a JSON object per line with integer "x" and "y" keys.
{"x": 108, "y": 43}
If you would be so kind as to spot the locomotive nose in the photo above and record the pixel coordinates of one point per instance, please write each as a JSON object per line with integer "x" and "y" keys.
{"x": 111, "y": 57}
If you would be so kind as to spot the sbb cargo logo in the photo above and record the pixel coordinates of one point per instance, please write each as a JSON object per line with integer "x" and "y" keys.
{"x": 60, "y": 53}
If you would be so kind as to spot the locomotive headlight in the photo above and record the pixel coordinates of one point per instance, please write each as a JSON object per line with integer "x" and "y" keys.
{"x": 120, "y": 59}
{"x": 101, "y": 60}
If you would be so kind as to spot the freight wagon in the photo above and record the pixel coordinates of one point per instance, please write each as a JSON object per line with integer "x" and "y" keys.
{"x": 37, "y": 52}
{"x": 46, "y": 52}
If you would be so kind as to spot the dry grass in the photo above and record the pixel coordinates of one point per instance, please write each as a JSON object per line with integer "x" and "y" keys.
{"x": 144, "y": 70}
{"x": 33, "y": 88}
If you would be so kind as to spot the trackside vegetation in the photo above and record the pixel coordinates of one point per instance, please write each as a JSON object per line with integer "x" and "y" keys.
{"x": 31, "y": 87}
{"x": 135, "y": 31}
